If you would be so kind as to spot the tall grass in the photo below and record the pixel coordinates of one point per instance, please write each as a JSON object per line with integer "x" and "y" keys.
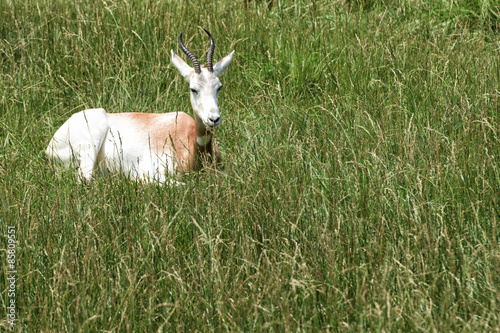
{"x": 361, "y": 180}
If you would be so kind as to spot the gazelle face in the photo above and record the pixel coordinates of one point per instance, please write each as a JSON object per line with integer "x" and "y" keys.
{"x": 205, "y": 88}
{"x": 204, "y": 84}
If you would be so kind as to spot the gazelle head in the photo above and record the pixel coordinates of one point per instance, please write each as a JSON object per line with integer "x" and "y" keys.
{"x": 203, "y": 82}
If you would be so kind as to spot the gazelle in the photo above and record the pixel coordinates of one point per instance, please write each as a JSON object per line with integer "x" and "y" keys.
{"x": 148, "y": 146}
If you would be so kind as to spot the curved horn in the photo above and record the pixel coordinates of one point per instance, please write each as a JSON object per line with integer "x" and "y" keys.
{"x": 191, "y": 56}
{"x": 210, "y": 54}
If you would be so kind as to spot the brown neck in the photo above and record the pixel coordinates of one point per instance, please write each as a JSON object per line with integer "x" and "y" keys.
{"x": 204, "y": 143}
{"x": 201, "y": 130}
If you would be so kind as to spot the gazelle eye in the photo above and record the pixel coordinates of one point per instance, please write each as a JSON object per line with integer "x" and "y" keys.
{"x": 194, "y": 91}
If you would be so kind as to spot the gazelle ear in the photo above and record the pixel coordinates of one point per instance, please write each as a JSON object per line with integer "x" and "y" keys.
{"x": 181, "y": 65}
{"x": 221, "y": 66}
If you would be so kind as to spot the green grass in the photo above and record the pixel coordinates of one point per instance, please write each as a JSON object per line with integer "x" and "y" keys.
{"x": 361, "y": 180}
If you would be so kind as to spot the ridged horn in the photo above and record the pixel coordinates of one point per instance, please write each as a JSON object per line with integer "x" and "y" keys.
{"x": 191, "y": 56}
{"x": 210, "y": 54}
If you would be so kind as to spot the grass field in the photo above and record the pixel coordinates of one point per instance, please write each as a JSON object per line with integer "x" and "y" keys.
{"x": 360, "y": 188}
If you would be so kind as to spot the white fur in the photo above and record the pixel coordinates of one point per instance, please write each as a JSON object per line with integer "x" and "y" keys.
{"x": 203, "y": 140}
{"x": 92, "y": 139}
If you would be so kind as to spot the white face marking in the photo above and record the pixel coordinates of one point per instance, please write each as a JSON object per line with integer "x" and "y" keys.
{"x": 203, "y": 140}
{"x": 205, "y": 89}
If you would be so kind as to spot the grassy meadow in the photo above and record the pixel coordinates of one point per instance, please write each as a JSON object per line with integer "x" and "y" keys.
{"x": 360, "y": 188}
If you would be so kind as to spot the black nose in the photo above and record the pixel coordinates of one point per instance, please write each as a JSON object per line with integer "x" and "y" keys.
{"x": 215, "y": 120}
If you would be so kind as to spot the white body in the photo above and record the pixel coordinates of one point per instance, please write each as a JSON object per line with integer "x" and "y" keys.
{"x": 143, "y": 145}
{"x": 92, "y": 139}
